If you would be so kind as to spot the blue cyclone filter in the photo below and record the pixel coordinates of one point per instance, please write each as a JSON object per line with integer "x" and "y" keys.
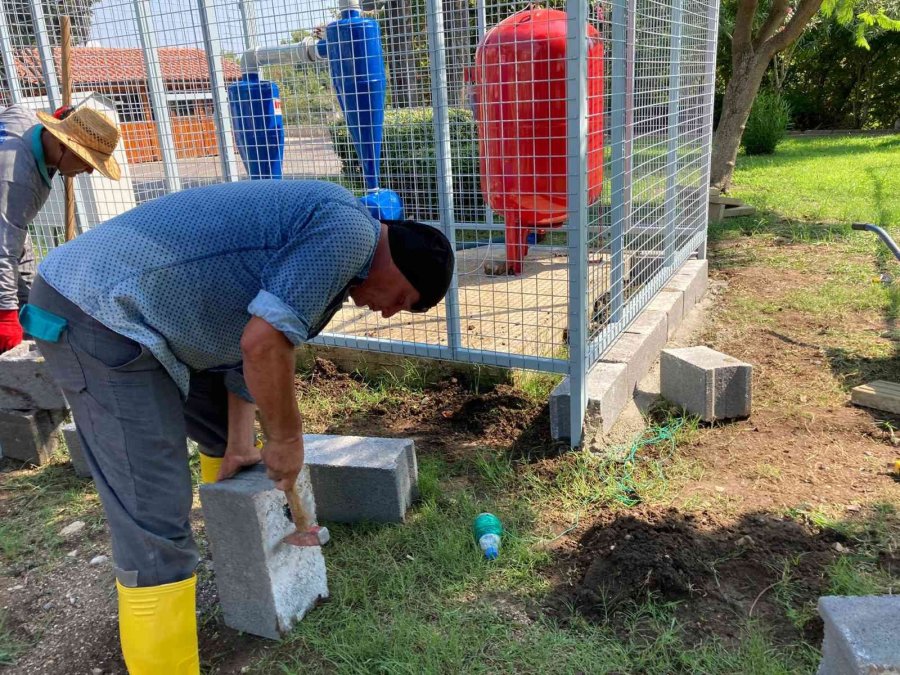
{"x": 353, "y": 47}
{"x": 258, "y": 125}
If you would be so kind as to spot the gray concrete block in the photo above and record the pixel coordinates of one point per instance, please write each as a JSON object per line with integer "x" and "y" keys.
{"x": 25, "y": 381}
{"x": 639, "y": 346}
{"x": 692, "y": 280}
{"x": 707, "y": 383}
{"x": 29, "y": 435}
{"x": 264, "y": 585}
{"x": 76, "y": 452}
{"x": 860, "y": 635}
{"x": 672, "y": 303}
{"x": 607, "y": 395}
{"x": 359, "y": 479}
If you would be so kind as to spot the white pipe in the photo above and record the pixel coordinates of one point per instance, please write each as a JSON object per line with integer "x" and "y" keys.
{"x": 304, "y": 51}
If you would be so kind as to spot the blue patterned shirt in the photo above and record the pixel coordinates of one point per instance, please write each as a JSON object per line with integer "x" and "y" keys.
{"x": 183, "y": 274}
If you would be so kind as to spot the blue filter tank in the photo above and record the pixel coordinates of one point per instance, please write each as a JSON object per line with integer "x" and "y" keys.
{"x": 258, "y": 125}
{"x": 353, "y": 45}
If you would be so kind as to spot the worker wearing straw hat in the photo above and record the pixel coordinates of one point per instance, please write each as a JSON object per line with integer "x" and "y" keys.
{"x": 32, "y": 150}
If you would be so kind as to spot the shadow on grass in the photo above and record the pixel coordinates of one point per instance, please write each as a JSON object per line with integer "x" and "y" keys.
{"x": 767, "y": 567}
{"x": 771, "y": 223}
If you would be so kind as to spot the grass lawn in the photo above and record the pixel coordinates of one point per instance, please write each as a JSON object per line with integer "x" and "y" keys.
{"x": 699, "y": 549}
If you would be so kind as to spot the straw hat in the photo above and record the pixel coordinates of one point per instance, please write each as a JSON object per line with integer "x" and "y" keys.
{"x": 89, "y": 134}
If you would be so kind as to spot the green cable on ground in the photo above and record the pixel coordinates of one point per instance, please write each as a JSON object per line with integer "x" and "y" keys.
{"x": 626, "y": 493}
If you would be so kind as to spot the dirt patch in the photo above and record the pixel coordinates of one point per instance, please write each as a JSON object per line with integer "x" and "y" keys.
{"x": 446, "y": 418}
{"x": 719, "y": 572}
{"x": 67, "y": 619}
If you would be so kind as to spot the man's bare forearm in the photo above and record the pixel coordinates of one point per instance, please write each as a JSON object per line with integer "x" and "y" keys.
{"x": 241, "y": 419}
{"x": 269, "y": 373}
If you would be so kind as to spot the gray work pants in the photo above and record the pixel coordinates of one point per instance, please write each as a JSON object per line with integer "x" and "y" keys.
{"x": 132, "y": 423}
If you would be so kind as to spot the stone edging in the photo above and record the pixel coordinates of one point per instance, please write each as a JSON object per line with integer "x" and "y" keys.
{"x": 611, "y": 381}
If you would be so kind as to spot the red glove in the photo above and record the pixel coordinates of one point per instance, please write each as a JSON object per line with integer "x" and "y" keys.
{"x": 10, "y": 329}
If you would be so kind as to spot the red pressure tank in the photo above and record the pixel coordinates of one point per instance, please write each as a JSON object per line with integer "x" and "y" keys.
{"x": 519, "y": 92}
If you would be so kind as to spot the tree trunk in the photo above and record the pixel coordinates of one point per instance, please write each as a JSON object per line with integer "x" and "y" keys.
{"x": 736, "y": 104}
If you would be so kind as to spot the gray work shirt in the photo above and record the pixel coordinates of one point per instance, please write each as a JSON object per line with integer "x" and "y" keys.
{"x": 24, "y": 189}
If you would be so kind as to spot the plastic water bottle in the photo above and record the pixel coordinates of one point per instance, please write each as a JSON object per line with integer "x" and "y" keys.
{"x": 487, "y": 529}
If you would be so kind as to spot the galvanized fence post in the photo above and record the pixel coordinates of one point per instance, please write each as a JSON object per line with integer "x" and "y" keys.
{"x": 45, "y": 51}
{"x": 227, "y": 156}
{"x": 9, "y": 63}
{"x": 673, "y": 129}
{"x": 621, "y": 136}
{"x": 441, "y": 123}
{"x": 158, "y": 102}
{"x": 577, "y": 189}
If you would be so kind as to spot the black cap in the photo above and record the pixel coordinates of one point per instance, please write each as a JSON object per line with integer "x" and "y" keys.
{"x": 424, "y": 256}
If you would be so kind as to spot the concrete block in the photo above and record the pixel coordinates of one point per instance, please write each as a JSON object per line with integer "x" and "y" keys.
{"x": 672, "y": 303}
{"x": 860, "y": 635}
{"x": 264, "y": 585}
{"x": 357, "y": 479}
{"x": 639, "y": 346}
{"x": 880, "y": 395}
{"x": 692, "y": 280}
{"x": 76, "y": 452}
{"x": 607, "y": 395}
{"x": 29, "y": 435}
{"x": 705, "y": 382}
{"x": 25, "y": 381}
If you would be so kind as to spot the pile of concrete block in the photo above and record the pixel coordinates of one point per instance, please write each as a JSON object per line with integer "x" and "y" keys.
{"x": 860, "y": 635}
{"x": 31, "y": 406}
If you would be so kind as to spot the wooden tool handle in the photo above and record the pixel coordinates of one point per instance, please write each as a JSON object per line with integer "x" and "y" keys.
{"x": 67, "y": 100}
{"x": 298, "y": 513}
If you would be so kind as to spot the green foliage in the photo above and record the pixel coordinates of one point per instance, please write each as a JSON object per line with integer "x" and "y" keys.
{"x": 306, "y": 93}
{"x": 827, "y": 78}
{"x": 831, "y": 83}
{"x": 767, "y": 124}
{"x": 409, "y": 162}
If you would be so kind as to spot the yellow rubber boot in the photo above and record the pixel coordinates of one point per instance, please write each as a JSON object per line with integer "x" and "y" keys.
{"x": 209, "y": 468}
{"x": 158, "y": 628}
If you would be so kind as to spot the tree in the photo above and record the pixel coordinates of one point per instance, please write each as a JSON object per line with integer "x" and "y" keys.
{"x": 752, "y": 49}
{"x": 760, "y": 31}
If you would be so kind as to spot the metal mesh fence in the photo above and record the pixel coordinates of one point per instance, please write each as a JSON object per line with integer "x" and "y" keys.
{"x": 564, "y": 148}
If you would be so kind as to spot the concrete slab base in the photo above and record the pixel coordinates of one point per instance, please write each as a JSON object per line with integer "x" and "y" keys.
{"x": 880, "y": 395}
